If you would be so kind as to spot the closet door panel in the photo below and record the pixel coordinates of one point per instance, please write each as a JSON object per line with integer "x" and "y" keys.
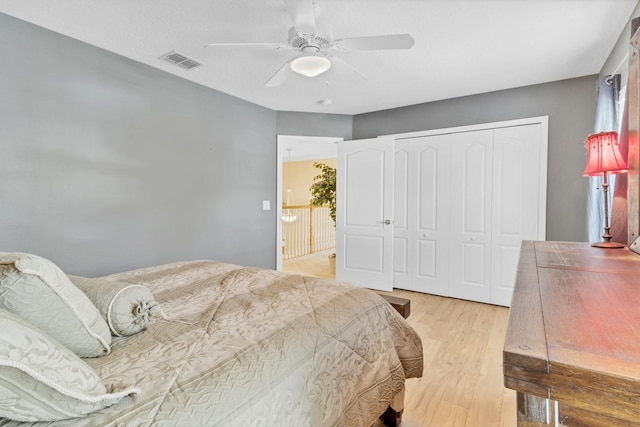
{"x": 402, "y": 270}
{"x": 426, "y": 203}
{"x": 474, "y": 193}
{"x": 432, "y": 155}
{"x": 474, "y": 257}
{"x": 471, "y": 204}
{"x": 428, "y": 215}
{"x": 515, "y": 213}
{"x": 427, "y": 261}
{"x": 428, "y": 185}
{"x": 401, "y": 278}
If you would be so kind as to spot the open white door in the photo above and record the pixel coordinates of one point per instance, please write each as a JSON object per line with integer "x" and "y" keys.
{"x": 364, "y": 226}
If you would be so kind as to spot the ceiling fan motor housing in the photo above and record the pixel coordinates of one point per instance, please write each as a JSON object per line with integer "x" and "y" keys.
{"x": 301, "y": 41}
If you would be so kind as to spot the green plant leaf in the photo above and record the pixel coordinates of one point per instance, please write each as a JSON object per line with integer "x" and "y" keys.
{"x": 323, "y": 190}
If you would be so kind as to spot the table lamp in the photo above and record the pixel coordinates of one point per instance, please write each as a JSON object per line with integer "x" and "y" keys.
{"x": 604, "y": 158}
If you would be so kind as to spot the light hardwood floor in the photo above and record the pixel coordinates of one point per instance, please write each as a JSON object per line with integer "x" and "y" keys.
{"x": 462, "y": 340}
{"x": 315, "y": 265}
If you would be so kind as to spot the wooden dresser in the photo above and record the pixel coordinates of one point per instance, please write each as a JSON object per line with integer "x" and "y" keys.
{"x": 572, "y": 346}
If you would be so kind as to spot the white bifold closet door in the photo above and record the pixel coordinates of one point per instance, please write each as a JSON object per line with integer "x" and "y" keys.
{"x": 421, "y": 214}
{"x": 463, "y": 203}
{"x": 470, "y": 185}
{"x": 519, "y": 192}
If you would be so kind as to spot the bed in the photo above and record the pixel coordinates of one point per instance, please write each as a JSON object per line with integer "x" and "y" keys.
{"x": 234, "y": 346}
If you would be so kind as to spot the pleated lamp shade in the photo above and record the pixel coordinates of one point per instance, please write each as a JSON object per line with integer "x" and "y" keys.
{"x": 603, "y": 155}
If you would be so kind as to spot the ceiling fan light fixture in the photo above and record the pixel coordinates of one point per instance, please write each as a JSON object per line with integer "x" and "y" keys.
{"x": 310, "y": 65}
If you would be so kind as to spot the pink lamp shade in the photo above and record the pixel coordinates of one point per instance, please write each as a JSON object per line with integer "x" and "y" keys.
{"x": 603, "y": 155}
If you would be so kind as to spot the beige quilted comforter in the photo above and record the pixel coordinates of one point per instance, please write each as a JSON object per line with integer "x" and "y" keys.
{"x": 257, "y": 347}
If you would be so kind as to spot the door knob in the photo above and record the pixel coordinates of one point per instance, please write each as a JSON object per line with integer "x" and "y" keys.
{"x": 387, "y": 221}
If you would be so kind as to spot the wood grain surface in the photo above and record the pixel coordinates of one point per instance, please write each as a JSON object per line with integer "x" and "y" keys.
{"x": 588, "y": 300}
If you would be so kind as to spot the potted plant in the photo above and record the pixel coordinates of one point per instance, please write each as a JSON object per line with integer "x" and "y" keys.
{"x": 323, "y": 192}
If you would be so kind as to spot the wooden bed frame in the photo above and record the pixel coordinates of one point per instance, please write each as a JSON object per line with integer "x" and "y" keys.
{"x": 391, "y": 417}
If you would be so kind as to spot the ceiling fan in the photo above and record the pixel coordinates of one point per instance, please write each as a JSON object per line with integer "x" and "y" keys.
{"x": 313, "y": 42}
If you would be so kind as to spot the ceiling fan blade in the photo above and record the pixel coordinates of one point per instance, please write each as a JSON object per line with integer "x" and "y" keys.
{"x": 280, "y": 76}
{"x": 344, "y": 64}
{"x": 303, "y": 15}
{"x": 276, "y": 46}
{"x": 391, "y": 41}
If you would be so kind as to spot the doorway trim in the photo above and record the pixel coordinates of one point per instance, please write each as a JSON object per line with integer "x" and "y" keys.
{"x": 285, "y": 142}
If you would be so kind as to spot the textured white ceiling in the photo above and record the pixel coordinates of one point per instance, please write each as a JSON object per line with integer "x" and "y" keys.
{"x": 462, "y": 47}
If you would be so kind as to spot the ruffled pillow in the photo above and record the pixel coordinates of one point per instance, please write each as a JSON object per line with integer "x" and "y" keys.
{"x": 41, "y": 380}
{"x": 37, "y": 290}
{"x": 126, "y": 307}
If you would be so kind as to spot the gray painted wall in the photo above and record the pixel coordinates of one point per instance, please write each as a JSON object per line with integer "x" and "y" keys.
{"x": 570, "y": 105}
{"x": 108, "y": 164}
{"x": 618, "y": 60}
{"x": 314, "y": 124}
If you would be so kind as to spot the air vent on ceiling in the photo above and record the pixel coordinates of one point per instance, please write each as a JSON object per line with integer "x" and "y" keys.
{"x": 180, "y": 60}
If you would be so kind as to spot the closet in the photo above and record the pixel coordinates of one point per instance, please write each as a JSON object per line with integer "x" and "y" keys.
{"x": 464, "y": 199}
{"x": 444, "y": 211}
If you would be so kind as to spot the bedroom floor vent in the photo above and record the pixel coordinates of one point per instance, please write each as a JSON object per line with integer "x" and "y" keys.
{"x": 180, "y": 60}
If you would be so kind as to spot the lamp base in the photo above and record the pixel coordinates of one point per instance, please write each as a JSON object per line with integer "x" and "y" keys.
{"x": 608, "y": 245}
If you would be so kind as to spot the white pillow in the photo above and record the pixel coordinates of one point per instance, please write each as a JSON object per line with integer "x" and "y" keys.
{"x": 39, "y": 292}
{"x": 126, "y": 307}
{"x": 41, "y": 380}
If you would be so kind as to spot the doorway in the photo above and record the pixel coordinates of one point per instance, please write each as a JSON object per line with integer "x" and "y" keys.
{"x": 294, "y": 148}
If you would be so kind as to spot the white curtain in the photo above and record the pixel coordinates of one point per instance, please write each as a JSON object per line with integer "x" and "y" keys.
{"x": 606, "y": 120}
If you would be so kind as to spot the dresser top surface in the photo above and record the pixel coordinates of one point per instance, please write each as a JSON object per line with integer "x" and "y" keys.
{"x": 576, "y": 306}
